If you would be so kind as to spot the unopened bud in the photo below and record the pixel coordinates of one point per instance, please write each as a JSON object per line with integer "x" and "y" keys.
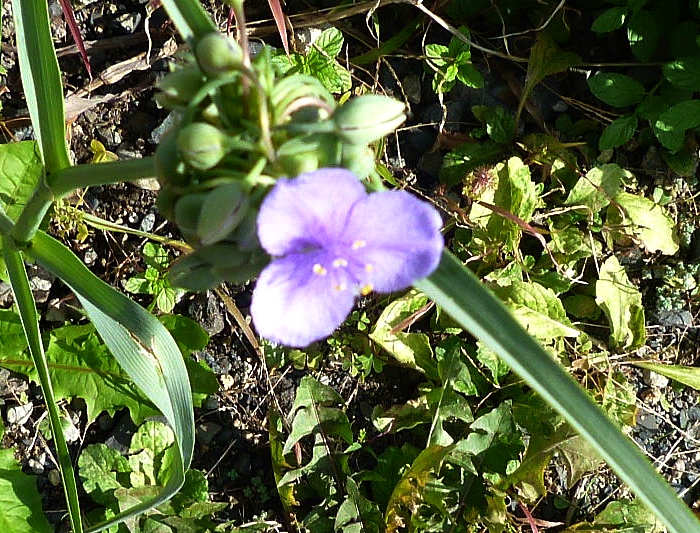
{"x": 202, "y": 145}
{"x": 368, "y": 118}
{"x": 187, "y": 212}
{"x": 217, "y": 54}
{"x": 222, "y": 211}
{"x": 179, "y": 87}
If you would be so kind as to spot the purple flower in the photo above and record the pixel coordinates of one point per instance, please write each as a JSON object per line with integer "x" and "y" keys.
{"x": 331, "y": 241}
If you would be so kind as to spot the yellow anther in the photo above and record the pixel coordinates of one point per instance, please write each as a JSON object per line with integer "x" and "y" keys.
{"x": 319, "y": 270}
{"x": 358, "y": 244}
{"x": 367, "y": 289}
{"x": 340, "y": 263}
{"x": 340, "y": 287}
{"x": 369, "y": 268}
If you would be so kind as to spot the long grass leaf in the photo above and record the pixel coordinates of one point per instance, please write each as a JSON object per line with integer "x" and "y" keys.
{"x": 459, "y": 292}
{"x": 141, "y": 345}
{"x": 190, "y": 19}
{"x": 26, "y": 306}
{"x": 41, "y": 80}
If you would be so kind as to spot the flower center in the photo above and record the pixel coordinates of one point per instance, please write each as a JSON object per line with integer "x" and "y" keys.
{"x": 319, "y": 270}
{"x": 340, "y": 263}
{"x": 359, "y": 244}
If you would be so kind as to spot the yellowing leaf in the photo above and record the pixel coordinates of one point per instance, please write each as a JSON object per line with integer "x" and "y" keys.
{"x": 649, "y": 223}
{"x": 622, "y": 304}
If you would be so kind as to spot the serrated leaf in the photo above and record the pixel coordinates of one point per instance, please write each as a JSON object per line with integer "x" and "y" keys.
{"x": 330, "y": 42}
{"x": 409, "y": 349}
{"x": 684, "y": 72}
{"x": 81, "y": 366}
{"x": 622, "y": 304}
{"x": 615, "y": 89}
{"x": 468, "y": 157}
{"x": 610, "y": 20}
{"x": 538, "y": 309}
{"x": 598, "y": 187}
{"x": 148, "y": 454}
{"x": 643, "y": 34}
{"x": 317, "y": 410}
{"x": 672, "y": 124}
{"x": 100, "y": 467}
{"x": 648, "y": 222}
{"x": 618, "y": 132}
{"x": 20, "y": 501}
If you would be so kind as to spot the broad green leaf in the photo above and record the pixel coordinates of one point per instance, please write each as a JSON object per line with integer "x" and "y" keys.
{"x": 621, "y": 515}
{"x": 148, "y": 454}
{"x": 467, "y": 157}
{"x": 460, "y": 293}
{"x": 688, "y": 375}
{"x": 317, "y": 409}
{"x": 406, "y": 415}
{"x": 672, "y": 124}
{"x": 684, "y": 72}
{"x": 330, "y": 42}
{"x": 391, "y": 464}
{"x": 103, "y": 470}
{"x": 408, "y": 493}
{"x": 357, "y": 514}
{"x": 618, "y": 132}
{"x": 20, "y": 501}
{"x": 21, "y": 170}
{"x": 647, "y": 222}
{"x": 550, "y": 435}
{"x": 598, "y": 187}
{"x": 546, "y": 58}
{"x": 610, "y": 20}
{"x": 643, "y": 34}
{"x": 622, "y": 304}
{"x": 615, "y": 89}
{"x": 538, "y": 309}
{"x": 81, "y": 367}
{"x": 620, "y": 400}
{"x": 410, "y": 349}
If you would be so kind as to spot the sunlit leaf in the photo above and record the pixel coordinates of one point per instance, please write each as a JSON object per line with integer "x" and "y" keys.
{"x": 646, "y": 221}
{"x": 622, "y": 304}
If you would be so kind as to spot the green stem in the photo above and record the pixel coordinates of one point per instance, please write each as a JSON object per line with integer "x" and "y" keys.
{"x": 6, "y": 223}
{"x": 67, "y": 180}
{"x": 31, "y": 217}
{"x": 24, "y": 300}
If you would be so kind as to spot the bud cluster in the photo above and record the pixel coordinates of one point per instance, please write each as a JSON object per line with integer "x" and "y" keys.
{"x": 239, "y": 128}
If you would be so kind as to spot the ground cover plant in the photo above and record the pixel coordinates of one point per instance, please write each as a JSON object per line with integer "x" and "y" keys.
{"x": 510, "y": 275}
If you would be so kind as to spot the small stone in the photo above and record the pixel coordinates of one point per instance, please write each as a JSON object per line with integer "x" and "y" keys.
{"x": 19, "y": 414}
{"x": 227, "y": 382}
{"x": 90, "y": 256}
{"x": 148, "y": 222}
{"x": 655, "y": 380}
{"x": 37, "y": 464}
{"x": 6, "y": 297}
{"x": 648, "y": 421}
{"x": 212, "y": 402}
{"x": 54, "y": 477}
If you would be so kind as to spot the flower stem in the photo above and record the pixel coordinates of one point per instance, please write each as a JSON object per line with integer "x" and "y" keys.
{"x": 67, "y": 180}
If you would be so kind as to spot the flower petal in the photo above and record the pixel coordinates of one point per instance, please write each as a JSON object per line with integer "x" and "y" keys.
{"x": 297, "y": 300}
{"x": 307, "y": 212}
{"x": 396, "y": 240}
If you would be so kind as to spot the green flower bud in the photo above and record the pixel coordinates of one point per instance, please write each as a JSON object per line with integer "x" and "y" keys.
{"x": 256, "y": 261}
{"x": 192, "y": 273}
{"x": 358, "y": 159}
{"x": 217, "y": 54}
{"x": 222, "y": 211}
{"x": 368, "y": 118}
{"x": 309, "y": 152}
{"x": 179, "y": 87}
{"x": 170, "y": 169}
{"x": 187, "y": 212}
{"x": 166, "y": 202}
{"x": 202, "y": 145}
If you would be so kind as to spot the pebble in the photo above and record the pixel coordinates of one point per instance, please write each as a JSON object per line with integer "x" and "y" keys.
{"x": 206, "y": 431}
{"x": 148, "y": 222}
{"x": 19, "y": 414}
{"x": 653, "y": 379}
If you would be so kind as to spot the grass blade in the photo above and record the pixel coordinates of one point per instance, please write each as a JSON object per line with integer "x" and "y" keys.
{"x": 30, "y": 323}
{"x": 459, "y": 292}
{"x": 190, "y": 19}
{"x": 41, "y": 80}
{"x": 143, "y": 348}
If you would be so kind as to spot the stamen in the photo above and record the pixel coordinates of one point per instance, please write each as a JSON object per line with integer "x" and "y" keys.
{"x": 367, "y": 289}
{"x": 359, "y": 244}
{"x": 369, "y": 267}
{"x": 340, "y": 287}
{"x": 319, "y": 270}
{"x": 340, "y": 263}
